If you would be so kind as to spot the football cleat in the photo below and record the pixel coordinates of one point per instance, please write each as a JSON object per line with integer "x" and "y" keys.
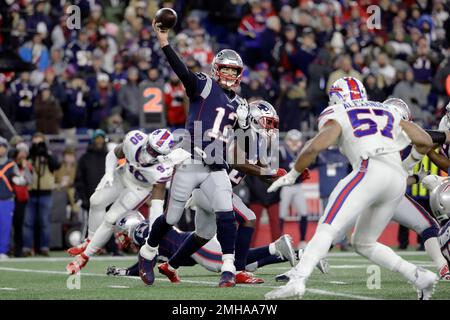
{"x": 74, "y": 251}
{"x": 77, "y": 264}
{"x": 116, "y": 271}
{"x": 227, "y": 279}
{"x": 444, "y": 273}
{"x": 323, "y": 266}
{"x": 172, "y": 275}
{"x": 294, "y": 289}
{"x": 285, "y": 248}
{"x": 424, "y": 283}
{"x": 146, "y": 269}
{"x": 244, "y": 277}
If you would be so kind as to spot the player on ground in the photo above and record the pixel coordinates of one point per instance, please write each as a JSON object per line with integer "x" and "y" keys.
{"x": 149, "y": 165}
{"x": 213, "y": 111}
{"x": 209, "y": 256}
{"x": 371, "y": 136}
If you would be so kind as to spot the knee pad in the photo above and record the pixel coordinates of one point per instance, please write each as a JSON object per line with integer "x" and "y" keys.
{"x": 115, "y": 213}
{"x": 96, "y": 200}
{"x": 361, "y": 246}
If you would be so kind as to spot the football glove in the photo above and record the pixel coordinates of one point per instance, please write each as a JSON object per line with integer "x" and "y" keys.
{"x": 242, "y": 112}
{"x": 286, "y": 180}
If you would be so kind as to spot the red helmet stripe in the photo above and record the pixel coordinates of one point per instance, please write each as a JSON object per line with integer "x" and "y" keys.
{"x": 355, "y": 92}
{"x": 163, "y": 138}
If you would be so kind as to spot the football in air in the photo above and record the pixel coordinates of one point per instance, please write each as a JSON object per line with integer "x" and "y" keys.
{"x": 167, "y": 17}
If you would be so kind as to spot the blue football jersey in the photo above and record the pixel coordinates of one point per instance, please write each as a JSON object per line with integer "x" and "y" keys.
{"x": 212, "y": 110}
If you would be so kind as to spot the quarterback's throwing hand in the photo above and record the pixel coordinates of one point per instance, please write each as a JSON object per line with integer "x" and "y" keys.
{"x": 161, "y": 35}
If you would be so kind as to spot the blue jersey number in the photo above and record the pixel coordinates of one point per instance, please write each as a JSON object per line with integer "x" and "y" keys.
{"x": 215, "y": 133}
{"x": 137, "y": 174}
{"x": 366, "y": 127}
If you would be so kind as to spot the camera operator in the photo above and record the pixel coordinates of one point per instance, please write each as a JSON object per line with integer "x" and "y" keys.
{"x": 40, "y": 203}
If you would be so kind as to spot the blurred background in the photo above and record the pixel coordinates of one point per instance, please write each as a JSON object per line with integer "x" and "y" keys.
{"x": 67, "y": 95}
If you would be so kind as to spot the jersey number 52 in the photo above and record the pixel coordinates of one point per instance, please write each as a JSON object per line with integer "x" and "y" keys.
{"x": 363, "y": 126}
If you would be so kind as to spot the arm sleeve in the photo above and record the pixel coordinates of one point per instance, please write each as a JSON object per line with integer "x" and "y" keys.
{"x": 186, "y": 76}
{"x": 437, "y": 136}
{"x": 111, "y": 161}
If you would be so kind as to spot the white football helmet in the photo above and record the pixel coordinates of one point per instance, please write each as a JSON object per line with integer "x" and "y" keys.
{"x": 346, "y": 89}
{"x": 263, "y": 117}
{"x": 440, "y": 200}
{"x": 128, "y": 223}
{"x": 230, "y": 59}
{"x": 401, "y": 107}
{"x": 445, "y": 121}
{"x": 159, "y": 142}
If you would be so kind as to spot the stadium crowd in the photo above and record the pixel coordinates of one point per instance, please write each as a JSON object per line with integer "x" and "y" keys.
{"x": 95, "y": 76}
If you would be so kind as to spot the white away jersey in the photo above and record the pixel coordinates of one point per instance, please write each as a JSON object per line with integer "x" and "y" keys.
{"x": 144, "y": 176}
{"x": 369, "y": 128}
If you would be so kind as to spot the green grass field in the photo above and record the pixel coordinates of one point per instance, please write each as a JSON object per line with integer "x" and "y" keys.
{"x": 45, "y": 278}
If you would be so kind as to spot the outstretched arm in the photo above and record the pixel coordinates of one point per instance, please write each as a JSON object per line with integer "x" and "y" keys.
{"x": 326, "y": 137}
{"x": 186, "y": 76}
{"x": 421, "y": 140}
{"x": 422, "y": 143}
{"x": 442, "y": 162}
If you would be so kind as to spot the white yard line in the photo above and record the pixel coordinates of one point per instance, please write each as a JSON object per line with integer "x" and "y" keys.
{"x": 131, "y": 257}
{"x": 57, "y": 259}
{"x": 354, "y": 266}
{"x": 316, "y": 291}
{"x": 354, "y": 254}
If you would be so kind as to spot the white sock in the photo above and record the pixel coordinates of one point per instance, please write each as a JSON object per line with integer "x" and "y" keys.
{"x": 272, "y": 249}
{"x": 434, "y": 251}
{"x": 100, "y": 238}
{"x": 148, "y": 252}
{"x": 386, "y": 257}
{"x": 406, "y": 269}
{"x": 316, "y": 250}
{"x": 228, "y": 263}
